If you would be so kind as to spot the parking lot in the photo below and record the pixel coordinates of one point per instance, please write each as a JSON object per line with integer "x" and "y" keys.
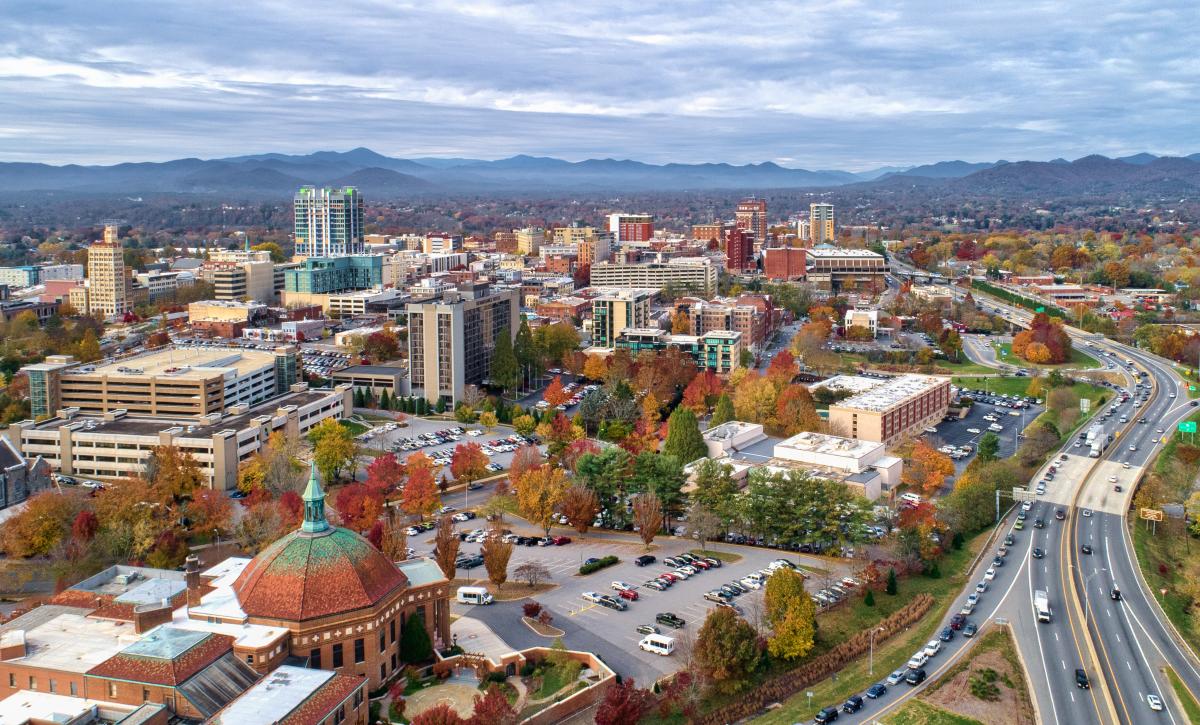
{"x": 955, "y": 436}
{"x": 613, "y": 634}
{"x": 414, "y": 428}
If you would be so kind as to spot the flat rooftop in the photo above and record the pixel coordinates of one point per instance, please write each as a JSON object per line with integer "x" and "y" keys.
{"x": 74, "y": 643}
{"x": 134, "y": 584}
{"x": 25, "y": 706}
{"x": 274, "y": 697}
{"x": 828, "y": 445}
{"x": 851, "y": 383}
{"x": 889, "y": 392}
{"x": 187, "y": 363}
{"x": 371, "y": 370}
{"x": 838, "y": 252}
{"x": 728, "y": 430}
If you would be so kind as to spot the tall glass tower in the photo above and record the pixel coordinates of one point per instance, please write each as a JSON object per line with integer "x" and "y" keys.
{"x": 329, "y": 222}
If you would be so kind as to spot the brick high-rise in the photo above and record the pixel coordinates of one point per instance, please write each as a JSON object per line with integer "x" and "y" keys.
{"x": 739, "y": 250}
{"x": 752, "y": 217}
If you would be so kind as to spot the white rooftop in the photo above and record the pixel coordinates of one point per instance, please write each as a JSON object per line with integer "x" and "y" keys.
{"x": 75, "y": 643}
{"x": 728, "y": 430}
{"x": 244, "y": 635}
{"x": 25, "y": 705}
{"x": 852, "y": 383}
{"x": 831, "y": 252}
{"x": 828, "y": 445}
{"x": 274, "y": 697}
{"x": 888, "y": 392}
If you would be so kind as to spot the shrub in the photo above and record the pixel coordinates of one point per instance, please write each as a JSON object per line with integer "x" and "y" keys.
{"x": 869, "y": 600}
{"x": 598, "y": 565}
{"x": 498, "y": 677}
{"x": 545, "y": 617}
{"x": 531, "y": 609}
{"x": 528, "y": 669}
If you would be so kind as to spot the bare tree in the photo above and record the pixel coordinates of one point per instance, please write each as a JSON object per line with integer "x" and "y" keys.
{"x": 647, "y": 516}
{"x": 580, "y": 506}
{"x": 395, "y": 538}
{"x": 709, "y": 525}
{"x": 496, "y": 553}
{"x": 532, "y": 573}
{"x": 446, "y": 543}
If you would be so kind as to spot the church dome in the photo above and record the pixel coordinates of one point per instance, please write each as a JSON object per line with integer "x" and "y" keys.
{"x": 316, "y": 571}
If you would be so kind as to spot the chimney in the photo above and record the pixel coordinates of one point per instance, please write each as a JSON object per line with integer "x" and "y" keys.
{"x": 191, "y": 572}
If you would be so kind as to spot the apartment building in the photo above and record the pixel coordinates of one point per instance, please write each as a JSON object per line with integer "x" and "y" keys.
{"x": 631, "y": 227}
{"x": 694, "y": 275}
{"x": 615, "y": 310}
{"x": 25, "y": 276}
{"x": 820, "y": 224}
{"x": 718, "y": 351}
{"x": 752, "y": 321}
{"x": 108, "y": 288}
{"x": 751, "y": 216}
{"x": 739, "y": 250}
{"x": 174, "y": 381}
{"x": 888, "y": 410}
{"x": 451, "y": 339}
{"x": 328, "y": 222}
{"x": 530, "y": 240}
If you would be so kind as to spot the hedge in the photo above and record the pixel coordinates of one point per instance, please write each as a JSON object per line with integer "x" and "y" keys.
{"x": 598, "y": 565}
{"x": 1016, "y": 299}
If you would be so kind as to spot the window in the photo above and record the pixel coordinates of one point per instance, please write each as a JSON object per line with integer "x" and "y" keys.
{"x": 249, "y": 659}
{"x": 382, "y": 641}
{"x": 339, "y": 716}
{"x": 53, "y": 685}
{"x": 145, "y": 695}
{"x": 12, "y": 680}
{"x": 360, "y": 650}
{"x": 337, "y": 655}
{"x": 382, "y": 671}
{"x": 392, "y": 631}
{"x": 32, "y": 682}
{"x": 73, "y": 690}
{"x": 358, "y": 697}
{"x": 112, "y": 690}
{"x": 314, "y": 658}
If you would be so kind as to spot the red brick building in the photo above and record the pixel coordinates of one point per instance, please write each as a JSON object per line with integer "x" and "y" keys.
{"x": 739, "y": 250}
{"x": 784, "y": 263}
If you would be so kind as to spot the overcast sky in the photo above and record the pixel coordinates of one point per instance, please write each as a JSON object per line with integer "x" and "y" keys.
{"x": 849, "y": 85}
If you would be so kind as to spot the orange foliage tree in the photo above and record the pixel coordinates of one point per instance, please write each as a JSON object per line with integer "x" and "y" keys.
{"x": 927, "y": 468}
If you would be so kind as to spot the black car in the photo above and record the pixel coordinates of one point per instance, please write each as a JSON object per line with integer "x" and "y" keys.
{"x": 998, "y": 561}
{"x": 1039, "y": 524}
{"x": 729, "y": 590}
{"x": 970, "y": 629}
{"x": 471, "y": 562}
{"x": 1115, "y": 594}
{"x": 1086, "y": 549}
{"x": 670, "y": 619}
{"x": 738, "y": 587}
{"x": 673, "y": 561}
{"x": 1060, "y": 514}
{"x": 591, "y": 560}
{"x": 644, "y": 559}
{"x": 1038, "y": 553}
{"x": 826, "y": 714}
{"x": 946, "y": 634}
{"x": 915, "y": 677}
{"x": 877, "y": 690}
{"x": 853, "y": 704}
{"x": 1081, "y": 680}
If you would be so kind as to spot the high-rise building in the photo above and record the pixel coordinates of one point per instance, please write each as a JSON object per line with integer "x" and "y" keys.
{"x": 108, "y": 289}
{"x": 820, "y": 223}
{"x": 617, "y": 310}
{"x": 631, "y": 227}
{"x": 711, "y": 232}
{"x": 451, "y": 340}
{"x": 691, "y": 275}
{"x": 751, "y": 216}
{"x": 739, "y": 250}
{"x": 329, "y": 222}
{"x": 530, "y": 240}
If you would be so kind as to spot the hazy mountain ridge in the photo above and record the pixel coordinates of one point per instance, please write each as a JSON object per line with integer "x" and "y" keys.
{"x": 379, "y": 176}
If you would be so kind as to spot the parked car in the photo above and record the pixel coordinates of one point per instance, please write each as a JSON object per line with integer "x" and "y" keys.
{"x": 645, "y": 559}
{"x": 670, "y": 619}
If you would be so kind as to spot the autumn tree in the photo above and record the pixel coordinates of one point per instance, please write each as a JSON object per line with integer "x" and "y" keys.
{"x": 334, "y": 448}
{"x": 439, "y": 714}
{"x": 260, "y": 526}
{"x": 782, "y": 367}
{"x": 211, "y": 510}
{"x": 526, "y": 458}
{"x": 927, "y": 468}
{"x": 384, "y": 474}
{"x": 791, "y": 613}
{"x": 539, "y": 492}
{"x": 580, "y": 505}
{"x": 684, "y": 440}
{"x": 174, "y": 471}
{"x": 359, "y": 506}
{"x": 488, "y": 420}
{"x": 795, "y": 411}
{"x": 394, "y": 544}
{"x": 596, "y": 368}
{"x": 532, "y": 573}
{"x": 754, "y": 399}
{"x": 468, "y": 463}
{"x": 43, "y": 524}
{"x": 496, "y": 553}
{"x": 702, "y": 392}
{"x": 647, "y": 516}
{"x": 420, "y": 495}
{"x": 726, "y": 651}
{"x": 572, "y": 453}
{"x": 624, "y": 703}
{"x": 554, "y": 394}
{"x": 492, "y": 708}
{"x": 445, "y": 542}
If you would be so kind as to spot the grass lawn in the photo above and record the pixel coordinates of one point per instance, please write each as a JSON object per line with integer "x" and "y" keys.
{"x": 1186, "y": 698}
{"x": 965, "y": 367}
{"x": 1079, "y": 359}
{"x": 355, "y": 428}
{"x": 891, "y": 654}
{"x": 725, "y": 557}
{"x": 998, "y": 386}
{"x": 553, "y": 680}
{"x": 919, "y": 712}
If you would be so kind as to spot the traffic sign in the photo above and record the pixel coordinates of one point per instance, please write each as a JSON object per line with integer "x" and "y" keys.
{"x": 1151, "y": 514}
{"x": 1085, "y": 404}
{"x": 1187, "y": 426}
{"x": 1022, "y": 494}
{"x": 1192, "y": 388}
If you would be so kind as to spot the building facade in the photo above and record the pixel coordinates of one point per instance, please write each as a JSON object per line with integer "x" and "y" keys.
{"x": 530, "y": 240}
{"x": 689, "y": 275}
{"x": 616, "y": 310}
{"x": 820, "y": 223}
{"x": 889, "y": 410}
{"x": 751, "y": 216}
{"x": 328, "y": 222}
{"x": 718, "y": 351}
{"x": 739, "y": 250}
{"x": 631, "y": 227}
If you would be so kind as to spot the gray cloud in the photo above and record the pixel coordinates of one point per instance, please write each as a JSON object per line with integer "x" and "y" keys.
{"x": 846, "y": 84}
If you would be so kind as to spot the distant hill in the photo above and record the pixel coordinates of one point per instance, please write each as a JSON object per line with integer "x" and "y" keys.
{"x": 274, "y": 175}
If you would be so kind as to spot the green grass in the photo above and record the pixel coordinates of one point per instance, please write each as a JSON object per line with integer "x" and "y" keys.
{"x": 965, "y": 367}
{"x": 919, "y": 712}
{"x": 553, "y": 680}
{"x": 355, "y": 428}
{"x": 995, "y": 385}
{"x": 1079, "y": 359}
{"x": 1186, "y": 698}
{"x": 840, "y": 624}
{"x": 725, "y": 557}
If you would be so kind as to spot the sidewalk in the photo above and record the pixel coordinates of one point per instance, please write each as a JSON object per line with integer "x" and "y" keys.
{"x": 475, "y": 636}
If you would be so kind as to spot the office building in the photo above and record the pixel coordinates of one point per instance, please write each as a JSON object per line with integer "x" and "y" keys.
{"x": 159, "y": 285}
{"x": 48, "y": 272}
{"x": 838, "y": 270}
{"x": 739, "y": 250}
{"x": 26, "y": 276}
{"x": 888, "y": 410}
{"x": 374, "y": 378}
{"x": 227, "y": 311}
{"x": 820, "y": 224}
{"x": 172, "y": 381}
{"x": 328, "y": 222}
{"x": 451, "y": 340}
{"x": 718, "y": 351}
{"x": 443, "y": 243}
{"x": 690, "y": 275}
{"x": 713, "y": 232}
{"x": 120, "y": 442}
{"x": 631, "y": 227}
{"x": 618, "y": 309}
{"x": 530, "y": 240}
{"x": 108, "y": 289}
{"x": 751, "y": 216}
{"x": 865, "y": 319}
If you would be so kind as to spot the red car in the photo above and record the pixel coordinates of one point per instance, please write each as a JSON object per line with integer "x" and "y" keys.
{"x": 670, "y": 575}
{"x": 629, "y": 594}
{"x": 560, "y": 540}
{"x": 700, "y": 564}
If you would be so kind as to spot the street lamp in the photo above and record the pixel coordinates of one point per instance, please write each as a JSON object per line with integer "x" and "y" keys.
{"x": 871, "y": 659}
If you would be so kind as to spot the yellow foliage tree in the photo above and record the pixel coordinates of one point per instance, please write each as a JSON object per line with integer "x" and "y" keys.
{"x": 754, "y": 399}
{"x": 596, "y": 368}
{"x": 539, "y": 492}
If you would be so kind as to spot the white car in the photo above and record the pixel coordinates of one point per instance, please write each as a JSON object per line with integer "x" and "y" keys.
{"x": 932, "y": 648}
{"x": 973, "y": 598}
{"x": 973, "y": 430}
{"x": 1027, "y": 505}
{"x": 989, "y": 575}
{"x": 751, "y": 583}
{"x": 918, "y": 660}
{"x": 1154, "y": 701}
{"x": 981, "y": 587}
{"x": 621, "y": 586}
{"x": 1086, "y": 512}
{"x": 593, "y": 597}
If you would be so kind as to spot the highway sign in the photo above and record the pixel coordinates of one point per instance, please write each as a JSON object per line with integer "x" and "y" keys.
{"x": 1085, "y": 404}
{"x": 1022, "y": 494}
{"x": 1187, "y": 426}
{"x": 1192, "y": 388}
{"x": 1150, "y": 514}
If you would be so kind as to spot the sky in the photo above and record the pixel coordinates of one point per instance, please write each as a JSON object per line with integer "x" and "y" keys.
{"x": 841, "y": 84}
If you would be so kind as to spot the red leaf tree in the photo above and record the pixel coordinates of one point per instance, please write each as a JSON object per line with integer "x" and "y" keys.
{"x": 468, "y": 463}
{"x": 384, "y": 474}
{"x": 624, "y": 703}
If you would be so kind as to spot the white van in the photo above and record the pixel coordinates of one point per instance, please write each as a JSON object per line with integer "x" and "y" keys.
{"x": 658, "y": 644}
{"x": 474, "y": 595}
{"x": 911, "y": 498}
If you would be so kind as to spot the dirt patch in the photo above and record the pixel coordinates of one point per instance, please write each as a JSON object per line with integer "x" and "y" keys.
{"x": 509, "y": 592}
{"x": 544, "y": 630}
{"x": 990, "y": 674}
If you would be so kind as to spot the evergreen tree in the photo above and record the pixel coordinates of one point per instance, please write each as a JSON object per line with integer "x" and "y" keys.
{"x": 892, "y": 587}
{"x": 385, "y": 401}
{"x": 505, "y": 366}
{"x": 526, "y": 352}
{"x": 869, "y": 600}
{"x": 723, "y": 413}
{"x": 440, "y": 407}
{"x": 684, "y": 440}
{"x": 414, "y": 641}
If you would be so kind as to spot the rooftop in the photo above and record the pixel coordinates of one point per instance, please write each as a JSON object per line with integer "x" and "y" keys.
{"x": 733, "y": 428}
{"x": 890, "y": 391}
{"x": 183, "y": 363}
{"x": 626, "y": 294}
{"x": 134, "y": 584}
{"x": 832, "y": 252}
{"x": 71, "y": 642}
{"x": 27, "y": 706}
{"x": 274, "y": 697}
{"x": 828, "y": 445}
{"x": 852, "y": 383}
{"x": 421, "y": 571}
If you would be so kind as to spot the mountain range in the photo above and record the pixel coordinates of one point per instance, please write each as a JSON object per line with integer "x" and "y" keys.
{"x": 381, "y": 177}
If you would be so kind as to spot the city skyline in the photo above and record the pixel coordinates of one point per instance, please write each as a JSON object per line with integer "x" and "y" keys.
{"x": 813, "y": 85}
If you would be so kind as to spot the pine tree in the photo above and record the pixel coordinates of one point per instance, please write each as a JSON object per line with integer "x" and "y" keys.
{"x": 684, "y": 440}
{"x": 414, "y": 641}
{"x": 505, "y": 366}
{"x": 440, "y": 407}
{"x": 892, "y": 587}
{"x": 385, "y": 401}
{"x": 723, "y": 413}
{"x": 526, "y": 352}
{"x": 869, "y": 600}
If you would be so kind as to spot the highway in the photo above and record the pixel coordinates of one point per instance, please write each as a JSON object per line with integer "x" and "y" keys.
{"x": 1123, "y": 645}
